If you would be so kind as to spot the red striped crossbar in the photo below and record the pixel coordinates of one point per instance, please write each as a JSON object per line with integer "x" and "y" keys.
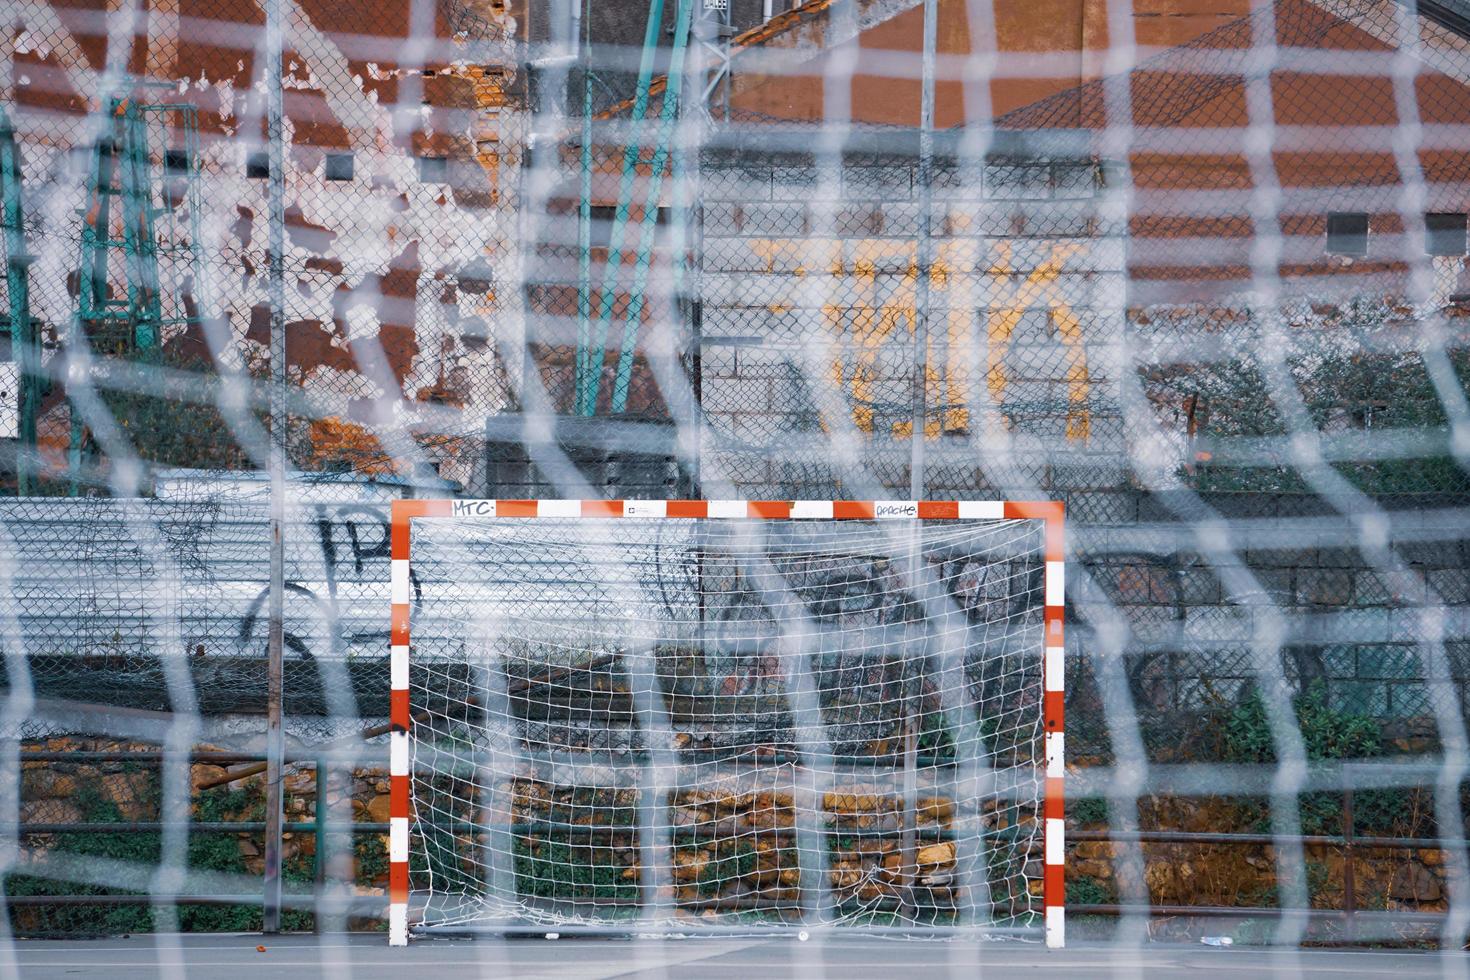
{"x": 1051, "y": 513}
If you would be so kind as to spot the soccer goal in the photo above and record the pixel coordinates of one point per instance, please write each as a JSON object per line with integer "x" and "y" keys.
{"x": 684, "y": 717}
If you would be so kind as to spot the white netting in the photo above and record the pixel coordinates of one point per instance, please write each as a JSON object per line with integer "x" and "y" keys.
{"x": 727, "y": 722}
{"x": 1200, "y": 272}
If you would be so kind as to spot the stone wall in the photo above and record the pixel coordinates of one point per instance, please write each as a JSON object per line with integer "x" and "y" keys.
{"x": 735, "y": 840}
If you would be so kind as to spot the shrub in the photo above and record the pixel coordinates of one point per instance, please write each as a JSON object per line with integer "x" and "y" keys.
{"x": 1327, "y": 733}
{"x": 1087, "y": 890}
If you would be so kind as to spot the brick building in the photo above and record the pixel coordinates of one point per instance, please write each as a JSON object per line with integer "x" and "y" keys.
{"x": 399, "y": 174}
{"x": 404, "y": 223}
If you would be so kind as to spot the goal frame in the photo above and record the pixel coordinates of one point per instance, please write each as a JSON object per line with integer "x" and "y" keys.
{"x": 1052, "y": 513}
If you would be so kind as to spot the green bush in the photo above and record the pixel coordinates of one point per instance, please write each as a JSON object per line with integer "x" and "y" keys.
{"x": 1327, "y": 733}
{"x": 1088, "y": 809}
{"x": 732, "y": 860}
{"x": 1087, "y": 890}
{"x": 559, "y": 870}
{"x": 1347, "y": 382}
{"x": 206, "y": 852}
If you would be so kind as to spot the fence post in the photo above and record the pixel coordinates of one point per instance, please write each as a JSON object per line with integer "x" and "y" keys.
{"x": 319, "y": 864}
{"x": 1349, "y": 871}
{"x": 924, "y": 257}
{"x": 276, "y": 221}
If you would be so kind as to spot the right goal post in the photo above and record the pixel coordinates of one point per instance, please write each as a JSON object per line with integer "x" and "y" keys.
{"x": 715, "y": 716}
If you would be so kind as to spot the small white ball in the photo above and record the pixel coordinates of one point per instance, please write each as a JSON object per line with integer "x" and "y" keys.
{"x": 803, "y": 936}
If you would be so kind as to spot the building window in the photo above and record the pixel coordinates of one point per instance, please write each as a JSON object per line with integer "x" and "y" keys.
{"x": 1444, "y": 234}
{"x": 338, "y": 166}
{"x": 604, "y": 215}
{"x": 258, "y": 165}
{"x": 1347, "y": 233}
{"x": 433, "y": 170}
{"x": 176, "y": 162}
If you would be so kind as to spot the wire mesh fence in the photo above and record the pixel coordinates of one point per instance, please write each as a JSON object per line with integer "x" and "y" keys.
{"x": 1202, "y": 279}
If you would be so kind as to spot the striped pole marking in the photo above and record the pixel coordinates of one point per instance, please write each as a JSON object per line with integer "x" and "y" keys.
{"x": 1051, "y": 513}
{"x": 399, "y": 718}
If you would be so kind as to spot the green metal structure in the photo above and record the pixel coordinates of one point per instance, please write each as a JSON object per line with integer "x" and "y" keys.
{"x": 592, "y": 333}
{"x": 137, "y": 254}
{"x": 24, "y": 343}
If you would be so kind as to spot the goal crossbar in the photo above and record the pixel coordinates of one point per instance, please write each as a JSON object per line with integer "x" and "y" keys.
{"x": 1051, "y": 513}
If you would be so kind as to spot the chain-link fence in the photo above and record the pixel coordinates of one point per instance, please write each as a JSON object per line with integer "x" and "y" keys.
{"x": 1213, "y": 299}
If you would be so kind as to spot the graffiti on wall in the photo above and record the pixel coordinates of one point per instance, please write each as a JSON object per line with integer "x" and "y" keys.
{"x": 979, "y": 293}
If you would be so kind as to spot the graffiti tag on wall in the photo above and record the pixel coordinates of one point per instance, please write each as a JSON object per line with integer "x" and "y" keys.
{"x": 978, "y": 295}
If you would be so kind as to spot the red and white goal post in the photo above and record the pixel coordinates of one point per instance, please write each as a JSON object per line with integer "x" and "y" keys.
{"x": 694, "y": 715}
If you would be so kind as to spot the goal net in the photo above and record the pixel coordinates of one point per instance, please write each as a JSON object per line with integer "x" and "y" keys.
{"x": 717, "y": 716}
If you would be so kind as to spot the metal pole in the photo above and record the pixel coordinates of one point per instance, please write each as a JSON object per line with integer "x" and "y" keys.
{"x": 1349, "y": 867}
{"x": 925, "y": 260}
{"x": 319, "y": 864}
{"x": 275, "y": 743}
{"x": 584, "y": 209}
{"x": 908, "y": 905}
{"x": 23, "y": 349}
{"x": 27, "y": 354}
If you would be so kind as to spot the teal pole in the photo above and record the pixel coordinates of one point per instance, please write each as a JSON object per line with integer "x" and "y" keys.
{"x": 23, "y": 344}
{"x": 591, "y": 381}
{"x": 667, "y": 117}
{"x": 584, "y": 225}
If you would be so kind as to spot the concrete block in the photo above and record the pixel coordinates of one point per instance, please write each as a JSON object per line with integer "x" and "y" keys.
{"x": 1340, "y": 662}
{"x": 1011, "y": 182}
{"x": 1276, "y": 583}
{"x": 719, "y": 362}
{"x": 1457, "y": 622}
{"x": 738, "y": 186}
{"x": 958, "y": 183}
{"x": 1074, "y": 180}
{"x": 721, "y": 218}
{"x": 987, "y": 219}
{"x": 1409, "y": 701}
{"x": 1431, "y": 554}
{"x": 1373, "y": 588}
{"x": 731, "y": 255}
{"x": 756, "y": 429}
{"x": 1217, "y": 624}
{"x": 859, "y": 219}
{"x": 1061, "y": 219}
{"x": 1199, "y": 586}
{"x": 1451, "y": 585}
{"x": 1324, "y": 586}
{"x": 1360, "y": 697}
{"x": 1388, "y": 662}
{"x": 1407, "y": 626}
{"x": 795, "y": 183}
{"x": 899, "y": 220}
{"x": 878, "y": 183}
{"x": 1354, "y": 626}
{"x": 750, "y": 289}
{"x": 774, "y": 220}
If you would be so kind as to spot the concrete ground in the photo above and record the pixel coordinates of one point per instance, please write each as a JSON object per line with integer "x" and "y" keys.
{"x": 843, "y": 958}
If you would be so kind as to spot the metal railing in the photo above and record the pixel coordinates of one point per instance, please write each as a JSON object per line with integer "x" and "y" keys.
{"x": 1349, "y": 841}
{"x": 318, "y": 827}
